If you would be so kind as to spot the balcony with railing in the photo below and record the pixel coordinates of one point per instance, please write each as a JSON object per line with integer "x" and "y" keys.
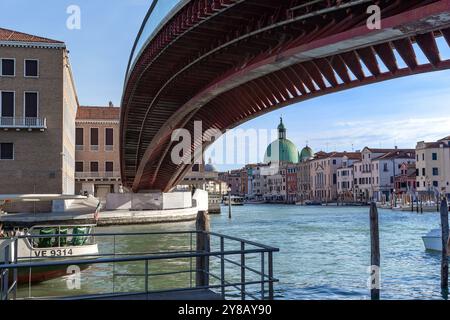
{"x": 108, "y": 148}
{"x": 23, "y": 123}
{"x": 97, "y": 175}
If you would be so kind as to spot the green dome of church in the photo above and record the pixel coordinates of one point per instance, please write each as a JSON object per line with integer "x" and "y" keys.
{"x": 306, "y": 154}
{"x": 287, "y": 151}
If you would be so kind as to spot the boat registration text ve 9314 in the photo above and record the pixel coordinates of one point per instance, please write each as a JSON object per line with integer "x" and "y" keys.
{"x": 53, "y": 253}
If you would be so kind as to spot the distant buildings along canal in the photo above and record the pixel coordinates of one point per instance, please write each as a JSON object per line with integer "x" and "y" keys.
{"x": 433, "y": 166}
{"x": 289, "y": 176}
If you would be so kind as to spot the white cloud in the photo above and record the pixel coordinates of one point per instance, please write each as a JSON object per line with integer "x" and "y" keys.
{"x": 385, "y": 133}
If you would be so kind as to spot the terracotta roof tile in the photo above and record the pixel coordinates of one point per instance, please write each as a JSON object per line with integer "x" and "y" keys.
{"x": 398, "y": 154}
{"x": 436, "y": 145}
{"x": 349, "y": 155}
{"x": 98, "y": 113}
{"x": 375, "y": 150}
{"x": 11, "y": 35}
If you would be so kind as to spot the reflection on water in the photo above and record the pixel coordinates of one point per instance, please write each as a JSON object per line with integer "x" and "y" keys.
{"x": 324, "y": 253}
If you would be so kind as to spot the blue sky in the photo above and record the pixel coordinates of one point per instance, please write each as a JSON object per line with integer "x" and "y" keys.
{"x": 398, "y": 112}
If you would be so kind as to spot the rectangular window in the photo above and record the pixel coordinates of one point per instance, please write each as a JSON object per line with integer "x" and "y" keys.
{"x": 31, "y": 68}
{"x": 109, "y": 166}
{"x": 7, "y": 104}
{"x": 435, "y": 171}
{"x": 423, "y": 172}
{"x": 6, "y": 151}
{"x": 435, "y": 184}
{"x": 8, "y": 67}
{"x": 435, "y": 156}
{"x": 109, "y": 137}
{"x": 94, "y": 136}
{"x": 31, "y": 104}
{"x": 79, "y": 137}
{"x": 94, "y": 166}
{"x": 79, "y": 166}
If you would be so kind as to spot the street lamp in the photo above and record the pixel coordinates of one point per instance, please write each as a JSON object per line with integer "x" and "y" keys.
{"x": 229, "y": 201}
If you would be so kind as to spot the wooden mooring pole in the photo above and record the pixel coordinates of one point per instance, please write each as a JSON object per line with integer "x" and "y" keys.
{"x": 374, "y": 253}
{"x": 444, "y": 257}
{"x": 203, "y": 245}
{"x": 229, "y": 205}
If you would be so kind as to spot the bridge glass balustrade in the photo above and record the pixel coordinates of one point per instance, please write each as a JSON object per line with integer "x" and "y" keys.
{"x": 152, "y": 24}
{"x": 146, "y": 263}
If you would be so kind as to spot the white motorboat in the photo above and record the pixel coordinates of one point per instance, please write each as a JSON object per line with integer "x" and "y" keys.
{"x": 433, "y": 240}
{"x": 45, "y": 242}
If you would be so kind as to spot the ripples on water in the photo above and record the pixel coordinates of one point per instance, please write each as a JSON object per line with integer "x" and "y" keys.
{"x": 324, "y": 252}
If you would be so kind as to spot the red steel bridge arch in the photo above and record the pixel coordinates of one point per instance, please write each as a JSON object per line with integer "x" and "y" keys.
{"x": 224, "y": 62}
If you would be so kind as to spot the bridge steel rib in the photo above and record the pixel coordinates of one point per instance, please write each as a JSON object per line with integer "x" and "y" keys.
{"x": 224, "y": 62}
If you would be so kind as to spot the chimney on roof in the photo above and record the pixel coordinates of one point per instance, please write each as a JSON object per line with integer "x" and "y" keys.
{"x": 111, "y": 105}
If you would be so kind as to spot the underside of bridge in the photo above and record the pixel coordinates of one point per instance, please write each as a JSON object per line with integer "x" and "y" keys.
{"x": 224, "y": 62}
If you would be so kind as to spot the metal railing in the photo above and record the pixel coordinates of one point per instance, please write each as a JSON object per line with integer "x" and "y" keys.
{"x": 231, "y": 267}
{"x": 23, "y": 123}
{"x": 98, "y": 174}
{"x": 8, "y": 287}
{"x": 108, "y": 148}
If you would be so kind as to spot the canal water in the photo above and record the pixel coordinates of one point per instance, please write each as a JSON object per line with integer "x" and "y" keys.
{"x": 324, "y": 253}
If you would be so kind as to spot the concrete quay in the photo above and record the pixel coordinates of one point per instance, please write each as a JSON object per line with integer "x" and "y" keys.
{"x": 82, "y": 212}
{"x": 106, "y": 218}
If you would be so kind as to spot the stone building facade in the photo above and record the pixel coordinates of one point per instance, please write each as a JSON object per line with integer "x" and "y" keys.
{"x": 97, "y": 151}
{"x": 433, "y": 166}
{"x": 38, "y": 104}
